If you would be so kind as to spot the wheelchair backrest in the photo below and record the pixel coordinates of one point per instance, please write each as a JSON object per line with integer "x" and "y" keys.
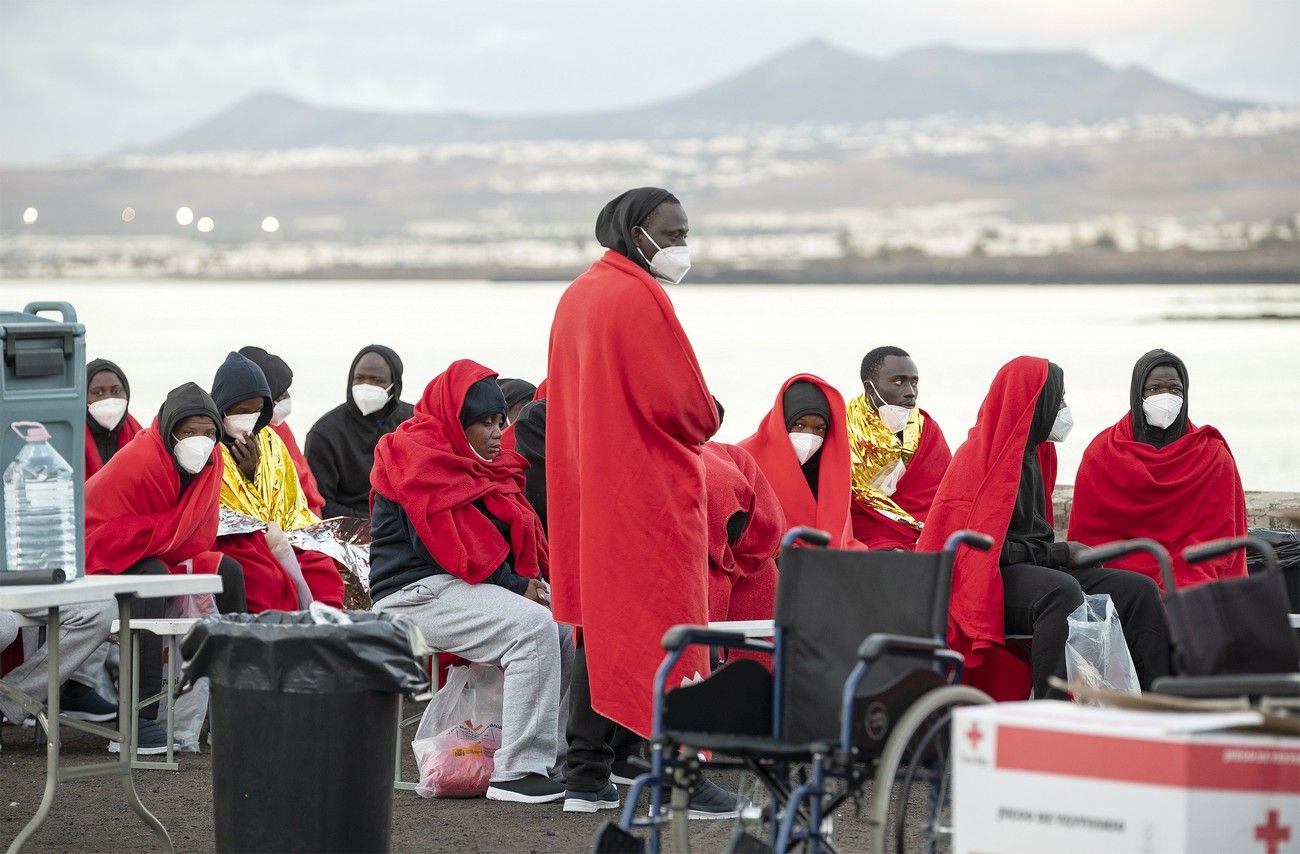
{"x": 827, "y": 602}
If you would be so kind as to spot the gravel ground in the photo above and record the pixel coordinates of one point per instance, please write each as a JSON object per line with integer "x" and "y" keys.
{"x": 90, "y": 815}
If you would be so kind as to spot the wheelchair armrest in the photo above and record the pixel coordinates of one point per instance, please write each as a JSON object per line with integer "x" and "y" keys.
{"x": 878, "y": 644}
{"x": 686, "y": 635}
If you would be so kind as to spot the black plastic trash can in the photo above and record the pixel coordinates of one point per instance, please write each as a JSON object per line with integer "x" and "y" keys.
{"x": 303, "y": 717}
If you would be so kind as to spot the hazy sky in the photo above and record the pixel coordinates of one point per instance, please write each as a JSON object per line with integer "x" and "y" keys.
{"x": 84, "y": 77}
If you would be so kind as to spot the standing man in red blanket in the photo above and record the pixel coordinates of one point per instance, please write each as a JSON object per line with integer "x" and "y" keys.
{"x": 899, "y": 453}
{"x": 628, "y": 412}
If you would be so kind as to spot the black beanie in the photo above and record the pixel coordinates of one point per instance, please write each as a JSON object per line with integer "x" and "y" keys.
{"x": 484, "y": 398}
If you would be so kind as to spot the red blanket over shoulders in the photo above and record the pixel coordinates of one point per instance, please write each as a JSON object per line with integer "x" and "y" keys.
{"x": 742, "y": 575}
{"x": 978, "y": 492}
{"x": 628, "y": 411}
{"x": 129, "y": 428}
{"x": 428, "y": 467}
{"x": 1185, "y": 493}
{"x": 770, "y": 447}
{"x": 916, "y": 489}
{"x": 135, "y": 510}
{"x": 307, "y": 480}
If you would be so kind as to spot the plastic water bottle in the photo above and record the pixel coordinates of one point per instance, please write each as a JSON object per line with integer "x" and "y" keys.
{"x": 40, "y": 506}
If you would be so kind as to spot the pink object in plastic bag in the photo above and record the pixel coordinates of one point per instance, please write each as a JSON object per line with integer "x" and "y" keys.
{"x": 459, "y": 765}
{"x": 459, "y": 734}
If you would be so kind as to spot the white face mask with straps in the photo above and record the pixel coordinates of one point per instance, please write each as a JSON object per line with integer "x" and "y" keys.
{"x": 369, "y": 398}
{"x": 670, "y": 263}
{"x": 895, "y": 417}
{"x": 1162, "y": 410}
{"x": 1062, "y": 426}
{"x": 283, "y": 407}
{"x": 192, "y": 454}
{"x": 108, "y": 413}
{"x": 240, "y": 425}
{"x": 805, "y": 445}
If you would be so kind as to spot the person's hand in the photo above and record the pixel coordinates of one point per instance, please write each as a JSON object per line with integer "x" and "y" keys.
{"x": 1076, "y": 549}
{"x": 538, "y": 591}
{"x": 247, "y": 455}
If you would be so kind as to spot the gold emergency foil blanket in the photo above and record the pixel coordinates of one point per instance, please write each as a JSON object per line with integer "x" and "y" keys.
{"x": 874, "y": 450}
{"x": 274, "y": 495}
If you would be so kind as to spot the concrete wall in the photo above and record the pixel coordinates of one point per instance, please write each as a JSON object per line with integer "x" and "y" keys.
{"x": 1263, "y": 509}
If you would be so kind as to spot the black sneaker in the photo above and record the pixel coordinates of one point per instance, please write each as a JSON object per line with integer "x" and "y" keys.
{"x": 605, "y": 799}
{"x": 529, "y": 789}
{"x": 150, "y": 739}
{"x": 625, "y": 771}
{"x": 83, "y": 703}
{"x": 712, "y": 801}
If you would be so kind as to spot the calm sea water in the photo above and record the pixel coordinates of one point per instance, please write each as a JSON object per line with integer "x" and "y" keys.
{"x": 748, "y": 339}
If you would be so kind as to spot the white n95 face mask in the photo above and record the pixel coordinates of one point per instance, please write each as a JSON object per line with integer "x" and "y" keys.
{"x": 1162, "y": 410}
{"x": 239, "y": 425}
{"x": 893, "y": 416}
{"x": 108, "y": 412}
{"x": 669, "y": 263}
{"x": 192, "y": 454}
{"x": 369, "y": 398}
{"x": 805, "y": 445}
{"x": 1062, "y": 426}
{"x": 283, "y": 407}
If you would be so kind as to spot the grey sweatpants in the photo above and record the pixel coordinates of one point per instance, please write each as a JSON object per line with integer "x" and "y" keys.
{"x": 488, "y": 624}
{"x": 82, "y": 628}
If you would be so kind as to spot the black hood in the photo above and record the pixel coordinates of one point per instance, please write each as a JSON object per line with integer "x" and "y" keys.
{"x": 1142, "y": 431}
{"x": 530, "y": 431}
{"x": 1049, "y": 403}
{"x": 239, "y": 378}
{"x": 278, "y": 374}
{"x": 182, "y": 402}
{"x": 98, "y": 430}
{"x": 394, "y": 394}
{"x": 516, "y": 390}
{"x": 804, "y": 398}
{"x": 625, "y": 212}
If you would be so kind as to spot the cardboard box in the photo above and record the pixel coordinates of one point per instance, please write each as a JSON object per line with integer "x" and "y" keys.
{"x": 1051, "y": 776}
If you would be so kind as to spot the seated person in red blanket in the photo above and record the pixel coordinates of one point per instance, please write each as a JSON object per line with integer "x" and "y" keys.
{"x": 108, "y": 425}
{"x": 802, "y": 449}
{"x": 153, "y": 510}
{"x": 1028, "y": 583}
{"x": 899, "y": 453}
{"x": 1156, "y": 474}
{"x": 279, "y": 376}
{"x": 458, "y": 549}
{"x": 258, "y": 479}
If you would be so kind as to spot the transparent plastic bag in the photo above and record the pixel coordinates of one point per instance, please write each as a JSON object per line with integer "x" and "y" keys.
{"x": 1095, "y": 651}
{"x": 459, "y": 733}
{"x": 190, "y": 709}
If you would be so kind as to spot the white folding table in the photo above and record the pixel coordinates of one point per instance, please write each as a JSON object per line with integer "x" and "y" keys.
{"x": 96, "y": 588}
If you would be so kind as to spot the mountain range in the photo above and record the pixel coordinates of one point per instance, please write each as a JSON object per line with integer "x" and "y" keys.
{"x": 814, "y": 82}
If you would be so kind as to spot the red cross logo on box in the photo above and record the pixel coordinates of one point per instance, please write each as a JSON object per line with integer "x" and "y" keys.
{"x": 1272, "y": 833}
{"x": 975, "y": 735}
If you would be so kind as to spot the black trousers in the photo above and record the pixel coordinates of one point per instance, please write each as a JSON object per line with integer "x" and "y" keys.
{"x": 595, "y": 741}
{"x": 1038, "y": 599}
{"x": 230, "y": 600}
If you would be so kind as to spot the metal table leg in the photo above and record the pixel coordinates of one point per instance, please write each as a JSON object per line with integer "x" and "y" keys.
{"x": 125, "y": 717}
{"x": 51, "y": 725}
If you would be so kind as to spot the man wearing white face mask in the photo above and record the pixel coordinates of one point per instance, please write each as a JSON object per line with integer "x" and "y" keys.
{"x": 279, "y": 376}
{"x": 108, "y": 425}
{"x": 1156, "y": 474}
{"x": 899, "y": 453}
{"x": 1032, "y": 583}
{"x": 340, "y": 448}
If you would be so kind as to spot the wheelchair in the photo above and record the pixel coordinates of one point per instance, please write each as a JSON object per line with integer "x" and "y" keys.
{"x": 1232, "y": 639}
{"x": 861, "y": 690}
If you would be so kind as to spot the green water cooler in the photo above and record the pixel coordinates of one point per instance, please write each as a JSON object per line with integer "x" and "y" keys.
{"x": 44, "y": 379}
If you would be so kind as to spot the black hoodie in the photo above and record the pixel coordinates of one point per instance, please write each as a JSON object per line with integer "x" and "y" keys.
{"x": 279, "y": 376}
{"x": 1030, "y": 538}
{"x": 239, "y": 378}
{"x": 804, "y": 398}
{"x": 105, "y": 439}
{"x": 182, "y": 402}
{"x": 1142, "y": 431}
{"x": 340, "y": 447}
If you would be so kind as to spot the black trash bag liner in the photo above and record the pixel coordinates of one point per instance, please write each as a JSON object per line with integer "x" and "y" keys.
{"x": 1286, "y": 543}
{"x": 289, "y": 652}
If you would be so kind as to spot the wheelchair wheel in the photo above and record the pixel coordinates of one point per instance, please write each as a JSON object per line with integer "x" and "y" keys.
{"x": 911, "y": 798}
